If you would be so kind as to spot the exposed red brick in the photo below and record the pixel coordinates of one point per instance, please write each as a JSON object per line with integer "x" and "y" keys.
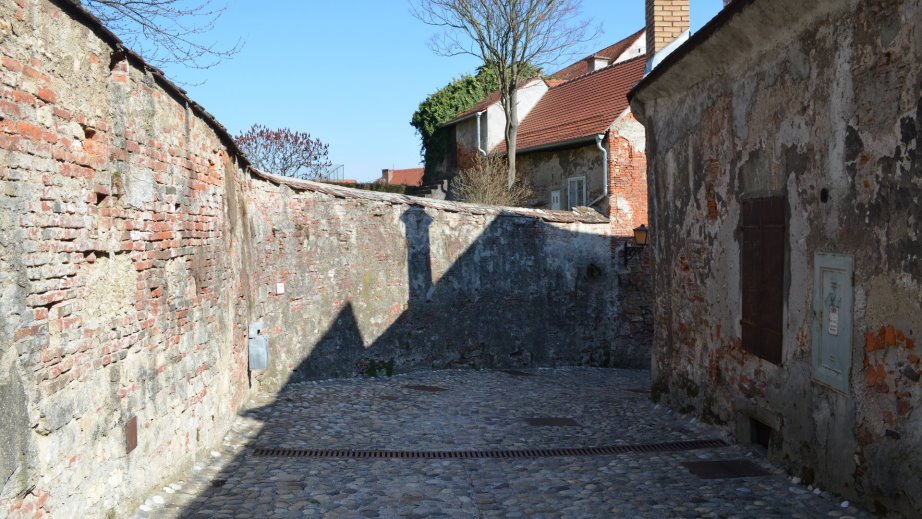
{"x": 47, "y": 95}
{"x": 889, "y": 334}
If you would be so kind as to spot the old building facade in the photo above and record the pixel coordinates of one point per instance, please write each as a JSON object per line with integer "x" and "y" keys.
{"x": 783, "y": 143}
{"x": 578, "y": 144}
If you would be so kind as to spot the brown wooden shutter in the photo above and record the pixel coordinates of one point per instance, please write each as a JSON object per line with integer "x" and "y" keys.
{"x": 763, "y": 276}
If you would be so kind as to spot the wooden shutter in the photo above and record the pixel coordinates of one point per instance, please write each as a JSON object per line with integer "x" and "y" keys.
{"x": 763, "y": 268}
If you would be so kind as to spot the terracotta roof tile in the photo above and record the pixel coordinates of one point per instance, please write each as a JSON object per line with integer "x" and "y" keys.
{"x": 573, "y": 71}
{"x": 583, "y": 66}
{"x": 581, "y": 108}
{"x": 405, "y": 177}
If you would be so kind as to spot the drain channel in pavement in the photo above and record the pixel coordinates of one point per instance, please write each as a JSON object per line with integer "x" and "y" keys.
{"x": 505, "y": 454}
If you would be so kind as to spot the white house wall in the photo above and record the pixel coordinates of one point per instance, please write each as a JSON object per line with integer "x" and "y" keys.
{"x": 638, "y": 48}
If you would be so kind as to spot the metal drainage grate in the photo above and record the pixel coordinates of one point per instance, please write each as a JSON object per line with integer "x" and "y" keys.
{"x": 725, "y": 469}
{"x": 517, "y": 373}
{"x": 429, "y": 389}
{"x": 551, "y": 421}
{"x": 505, "y": 454}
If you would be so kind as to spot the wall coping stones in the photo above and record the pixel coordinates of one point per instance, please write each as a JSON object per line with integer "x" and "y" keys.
{"x": 578, "y": 215}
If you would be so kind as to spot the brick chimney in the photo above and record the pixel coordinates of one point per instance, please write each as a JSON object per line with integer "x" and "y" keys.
{"x": 667, "y": 21}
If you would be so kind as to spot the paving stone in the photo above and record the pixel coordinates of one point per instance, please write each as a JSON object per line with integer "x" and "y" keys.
{"x": 481, "y": 410}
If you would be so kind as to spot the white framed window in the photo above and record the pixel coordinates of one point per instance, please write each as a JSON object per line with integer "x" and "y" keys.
{"x": 555, "y": 200}
{"x": 576, "y": 192}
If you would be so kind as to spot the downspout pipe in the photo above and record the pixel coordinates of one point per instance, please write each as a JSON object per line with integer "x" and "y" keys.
{"x": 598, "y": 142}
{"x": 479, "y": 142}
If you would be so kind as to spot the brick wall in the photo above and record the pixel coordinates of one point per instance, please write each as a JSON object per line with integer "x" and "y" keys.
{"x": 666, "y": 21}
{"x": 627, "y": 202}
{"x": 627, "y": 172}
{"x": 119, "y": 279}
{"x": 135, "y": 249}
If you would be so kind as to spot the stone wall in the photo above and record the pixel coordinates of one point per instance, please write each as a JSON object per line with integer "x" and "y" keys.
{"x": 136, "y": 248}
{"x": 394, "y": 284}
{"x": 820, "y": 103}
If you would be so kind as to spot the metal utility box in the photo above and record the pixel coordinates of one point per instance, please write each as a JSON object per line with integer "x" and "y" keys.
{"x": 258, "y": 347}
{"x": 833, "y": 311}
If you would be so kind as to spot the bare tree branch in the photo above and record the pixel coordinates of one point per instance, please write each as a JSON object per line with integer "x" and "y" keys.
{"x": 485, "y": 183}
{"x": 165, "y": 31}
{"x": 506, "y": 34}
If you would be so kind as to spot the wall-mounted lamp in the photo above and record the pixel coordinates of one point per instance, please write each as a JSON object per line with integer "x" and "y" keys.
{"x": 640, "y": 241}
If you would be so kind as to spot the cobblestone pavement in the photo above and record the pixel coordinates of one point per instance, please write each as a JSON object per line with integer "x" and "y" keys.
{"x": 477, "y": 410}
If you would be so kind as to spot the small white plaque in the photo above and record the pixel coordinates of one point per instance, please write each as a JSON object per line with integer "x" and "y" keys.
{"x": 833, "y": 320}
{"x": 280, "y": 288}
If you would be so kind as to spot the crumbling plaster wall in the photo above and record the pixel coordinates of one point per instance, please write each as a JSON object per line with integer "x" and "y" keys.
{"x": 135, "y": 250}
{"x": 822, "y": 104}
{"x": 547, "y": 170}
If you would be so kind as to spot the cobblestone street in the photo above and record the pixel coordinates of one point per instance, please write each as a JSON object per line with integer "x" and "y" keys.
{"x": 469, "y": 411}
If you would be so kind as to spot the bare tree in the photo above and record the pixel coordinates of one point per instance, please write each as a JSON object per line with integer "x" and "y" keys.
{"x": 506, "y": 35}
{"x": 285, "y": 152}
{"x": 485, "y": 183}
{"x": 165, "y": 31}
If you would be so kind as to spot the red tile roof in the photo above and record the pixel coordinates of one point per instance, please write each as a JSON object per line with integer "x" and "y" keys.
{"x": 404, "y": 177}
{"x": 580, "y": 68}
{"x": 584, "y": 66}
{"x": 581, "y": 108}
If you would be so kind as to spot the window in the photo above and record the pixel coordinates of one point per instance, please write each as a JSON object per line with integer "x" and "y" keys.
{"x": 576, "y": 192}
{"x": 763, "y": 269}
{"x": 555, "y": 199}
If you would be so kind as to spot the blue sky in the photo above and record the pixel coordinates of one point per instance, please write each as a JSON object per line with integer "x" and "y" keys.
{"x": 351, "y": 73}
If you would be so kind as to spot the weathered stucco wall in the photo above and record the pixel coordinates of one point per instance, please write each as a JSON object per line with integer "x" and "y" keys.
{"x": 626, "y": 203}
{"x": 551, "y": 169}
{"x": 820, "y": 103}
{"x": 135, "y": 252}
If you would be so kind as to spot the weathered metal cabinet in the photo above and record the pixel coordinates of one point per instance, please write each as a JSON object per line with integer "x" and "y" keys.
{"x": 833, "y": 310}
{"x": 258, "y": 347}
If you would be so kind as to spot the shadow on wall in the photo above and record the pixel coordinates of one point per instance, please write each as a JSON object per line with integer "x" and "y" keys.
{"x": 524, "y": 293}
{"x": 501, "y": 304}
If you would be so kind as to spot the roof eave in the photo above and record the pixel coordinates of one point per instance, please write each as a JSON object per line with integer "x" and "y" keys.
{"x": 464, "y": 117}
{"x": 561, "y": 144}
{"x": 693, "y": 42}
